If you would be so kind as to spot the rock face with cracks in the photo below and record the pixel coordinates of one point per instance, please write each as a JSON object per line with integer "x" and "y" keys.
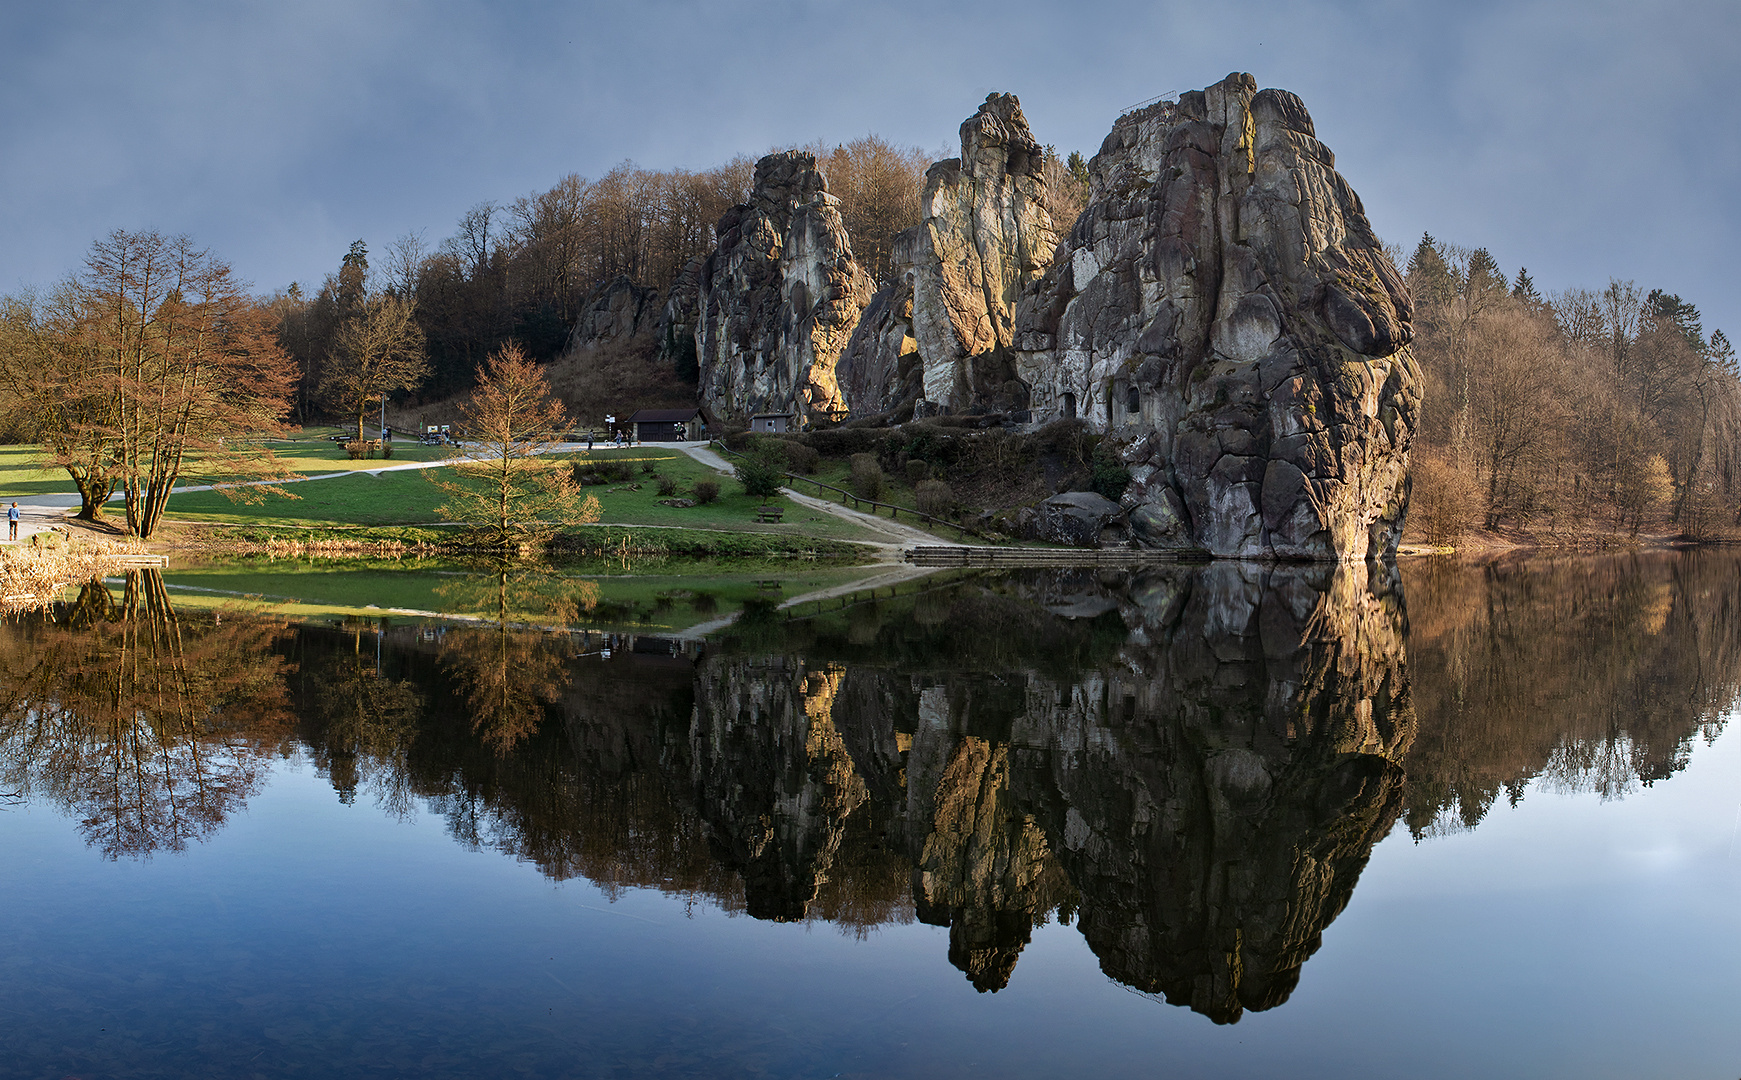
{"x": 615, "y": 311}
{"x": 944, "y": 327}
{"x": 778, "y": 298}
{"x": 1223, "y": 310}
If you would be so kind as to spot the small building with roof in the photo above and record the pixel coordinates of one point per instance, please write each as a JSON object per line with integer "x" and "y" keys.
{"x": 668, "y": 425}
{"x": 782, "y": 421}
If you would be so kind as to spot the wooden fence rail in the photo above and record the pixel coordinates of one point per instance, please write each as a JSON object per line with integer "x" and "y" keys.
{"x": 858, "y": 503}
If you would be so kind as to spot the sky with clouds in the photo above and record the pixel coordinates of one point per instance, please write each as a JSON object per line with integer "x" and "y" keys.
{"x": 1583, "y": 140}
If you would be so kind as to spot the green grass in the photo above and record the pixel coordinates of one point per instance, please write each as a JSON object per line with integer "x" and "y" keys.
{"x": 312, "y": 454}
{"x": 24, "y": 470}
{"x": 389, "y": 498}
{"x": 309, "y": 453}
{"x": 409, "y": 498}
{"x": 896, "y": 492}
{"x": 644, "y": 602}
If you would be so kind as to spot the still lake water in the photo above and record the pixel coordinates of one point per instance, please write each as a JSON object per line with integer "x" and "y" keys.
{"x": 1220, "y": 821}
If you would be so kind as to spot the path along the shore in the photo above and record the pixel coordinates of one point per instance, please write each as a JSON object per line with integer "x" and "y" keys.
{"x": 40, "y": 513}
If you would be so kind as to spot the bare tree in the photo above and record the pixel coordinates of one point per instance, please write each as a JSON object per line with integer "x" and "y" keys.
{"x": 195, "y": 363}
{"x": 1514, "y": 400}
{"x": 472, "y": 242}
{"x": 404, "y": 262}
{"x": 377, "y": 351}
{"x": 505, "y": 484}
{"x": 1621, "y": 307}
{"x": 1066, "y": 188}
{"x": 57, "y": 382}
{"x": 878, "y": 185}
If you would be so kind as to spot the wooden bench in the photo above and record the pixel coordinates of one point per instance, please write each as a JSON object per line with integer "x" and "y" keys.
{"x": 769, "y": 515}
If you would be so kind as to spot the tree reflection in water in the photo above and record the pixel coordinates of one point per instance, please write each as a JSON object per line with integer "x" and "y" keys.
{"x": 510, "y": 666}
{"x": 149, "y": 727}
{"x": 1191, "y": 764}
{"x": 369, "y": 722}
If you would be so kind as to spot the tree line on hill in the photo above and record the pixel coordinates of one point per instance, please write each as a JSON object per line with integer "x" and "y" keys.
{"x": 523, "y": 271}
{"x": 1583, "y": 410}
{"x": 1579, "y": 411}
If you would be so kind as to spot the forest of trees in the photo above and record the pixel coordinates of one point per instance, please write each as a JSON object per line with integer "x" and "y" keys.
{"x": 1568, "y": 413}
{"x": 1552, "y": 416}
{"x": 523, "y": 270}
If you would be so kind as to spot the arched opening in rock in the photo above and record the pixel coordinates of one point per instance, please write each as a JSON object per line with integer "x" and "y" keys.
{"x": 1069, "y": 406}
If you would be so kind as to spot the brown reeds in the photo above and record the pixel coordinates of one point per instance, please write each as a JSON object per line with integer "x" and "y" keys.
{"x": 33, "y": 574}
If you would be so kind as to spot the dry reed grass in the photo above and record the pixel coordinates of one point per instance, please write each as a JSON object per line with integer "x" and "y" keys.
{"x": 33, "y": 574}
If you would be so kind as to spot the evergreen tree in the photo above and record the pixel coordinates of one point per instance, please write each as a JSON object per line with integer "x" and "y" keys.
{"x": 1428, "y": 276}
{"x": 1666, "y": 310}
{"x": 1722, "y": 354}
{"x": 353, "y": 277}
{"x": 1485, "y": 277}
{"x": 1078, "y": 168}
{"x": 1524, "y": 289}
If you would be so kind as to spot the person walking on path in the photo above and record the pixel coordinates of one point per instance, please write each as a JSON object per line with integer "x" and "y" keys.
{"x": 12, "y": 520}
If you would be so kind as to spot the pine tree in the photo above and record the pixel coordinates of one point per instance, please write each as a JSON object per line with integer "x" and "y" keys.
{"x": 1078, "y": 168}
{"x": 1524, "y": 289}
{"x": 353, "y": 277}
{"x": 1428, "y": 277}
{"x": 1485, "y": 277}
{"x": 1668, "y": 309}
{"x": 1722, "y": 353}
{"x": 1426, "y": 256}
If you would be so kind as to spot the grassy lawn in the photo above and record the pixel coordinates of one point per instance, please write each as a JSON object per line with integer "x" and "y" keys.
{"x": 645, "y": 602}
{"x": 23, "y": 472}
{"x": 311, "y": 453}
{"x": 896, "y": 492}
{"x": 308, "y": 453}
{"x": 409, "y": 498}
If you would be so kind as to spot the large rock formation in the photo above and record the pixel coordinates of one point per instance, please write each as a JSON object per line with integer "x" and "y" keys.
{"x": 615, "y": 312}
{"x": 1223, "y": 308}
{"x": 778, "y": 298}
{"x": 949, "y": 315}
{"x": 678, "y": 318}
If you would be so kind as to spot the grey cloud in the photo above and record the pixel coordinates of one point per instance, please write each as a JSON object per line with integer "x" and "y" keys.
{"x": 1583, "y": 140}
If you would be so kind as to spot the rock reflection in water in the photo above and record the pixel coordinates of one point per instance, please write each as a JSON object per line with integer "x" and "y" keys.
{"x": 1203, "y": 793}
{"x": 1191, "y": 764}
{"x": 1215, "y": 796}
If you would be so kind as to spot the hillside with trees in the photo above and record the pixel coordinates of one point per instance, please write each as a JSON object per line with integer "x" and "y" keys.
{"x": 1583, "y": 415}
{"x": 1560, "y": 417}
{"x": 523, "y": 271}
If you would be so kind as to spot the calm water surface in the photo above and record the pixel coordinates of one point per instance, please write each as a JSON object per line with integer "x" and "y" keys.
{"x": 1220, "y": 821}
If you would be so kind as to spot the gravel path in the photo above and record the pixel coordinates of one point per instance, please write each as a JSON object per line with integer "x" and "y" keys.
{"x": 898, "y": 536}
{"x": 43, "y": 512}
